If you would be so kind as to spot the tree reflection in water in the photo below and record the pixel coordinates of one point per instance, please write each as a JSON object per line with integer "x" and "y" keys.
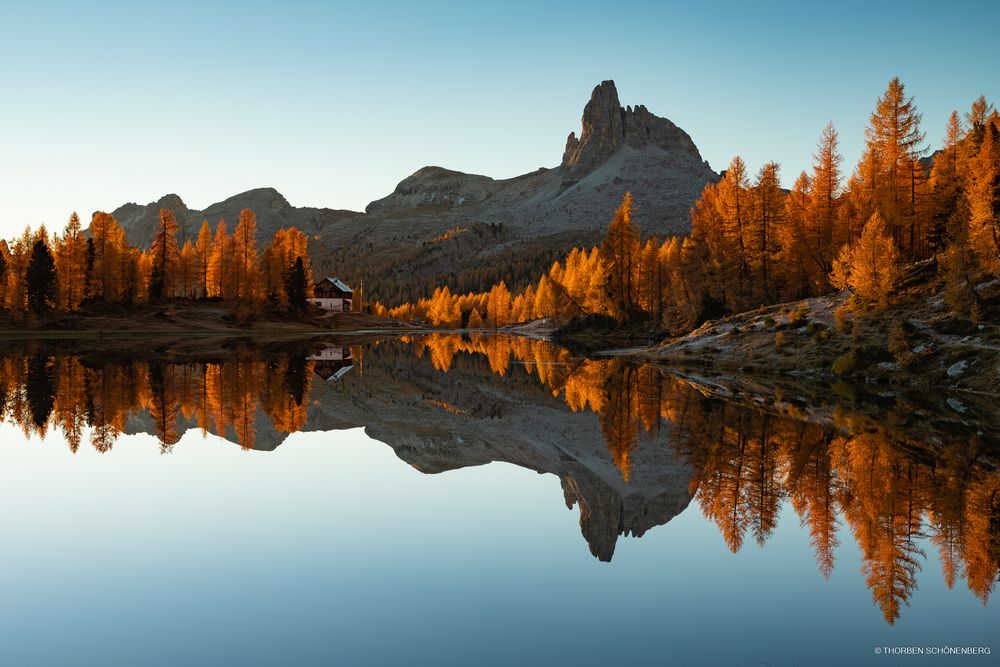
{"x": 891, "y": 489}
{"x": 39, "y": 391}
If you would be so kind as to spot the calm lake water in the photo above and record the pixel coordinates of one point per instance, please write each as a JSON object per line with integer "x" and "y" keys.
{"x": 484, "y": 500}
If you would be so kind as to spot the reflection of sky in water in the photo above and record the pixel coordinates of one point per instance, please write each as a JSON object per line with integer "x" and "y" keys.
{"x": 331, "y": 550}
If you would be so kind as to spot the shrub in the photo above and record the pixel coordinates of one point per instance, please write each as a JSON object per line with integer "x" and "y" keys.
{"x": 243, "y": 314}
{"x": 800, "y": 314}
{"x": 873, "y": 353}
{"x": 844, "y": 390}
{"x": 841, "y": 319}
{"x": 898, "y": 346}
{"x": 846, "y": 363}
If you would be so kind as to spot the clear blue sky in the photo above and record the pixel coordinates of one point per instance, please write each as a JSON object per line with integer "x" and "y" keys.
{"x": 105, "y": 103}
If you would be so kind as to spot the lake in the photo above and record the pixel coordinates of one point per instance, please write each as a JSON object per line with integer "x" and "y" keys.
{"x": 482, "y": 499}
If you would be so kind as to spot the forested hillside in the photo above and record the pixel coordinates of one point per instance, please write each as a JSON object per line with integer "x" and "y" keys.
{"x": 753, "y": 243}
{"x": 42, "y": 272}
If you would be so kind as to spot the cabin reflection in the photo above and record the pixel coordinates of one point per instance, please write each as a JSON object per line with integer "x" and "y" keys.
{"x": 332, "y": 363}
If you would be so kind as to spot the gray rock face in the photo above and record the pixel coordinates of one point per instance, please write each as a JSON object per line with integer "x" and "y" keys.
{"x": 620, "y": 149}
{"x": 607, "y": 127}
{"x": 603, "y": 131}
{"x": 435, "y": 186}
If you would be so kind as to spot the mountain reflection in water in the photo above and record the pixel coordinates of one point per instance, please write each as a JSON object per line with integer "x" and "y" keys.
{"x": 632, "y": 445}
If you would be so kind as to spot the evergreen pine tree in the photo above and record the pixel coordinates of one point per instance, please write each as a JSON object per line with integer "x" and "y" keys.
{"x": 295, "y": 285}
{"x": 41, "y": 278}
{"x": 40, "y": 387}
{"x": 3, "y": 272}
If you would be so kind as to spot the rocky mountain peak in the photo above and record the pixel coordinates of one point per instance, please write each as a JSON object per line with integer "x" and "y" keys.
{"x": 606, "y": 127}
{"x": 173, "y": 202}
{"x": 260, "y": 198}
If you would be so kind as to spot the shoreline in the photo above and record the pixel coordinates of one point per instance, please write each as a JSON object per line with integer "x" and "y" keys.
{"x": 102, "y": 334}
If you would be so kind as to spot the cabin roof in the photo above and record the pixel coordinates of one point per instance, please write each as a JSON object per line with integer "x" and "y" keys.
{"x": 337, "y": 282}
{"x": 332, "y": 372}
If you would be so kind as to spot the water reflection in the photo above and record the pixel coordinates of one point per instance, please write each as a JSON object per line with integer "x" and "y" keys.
{"x": 632, "y": 445}
{"x": 332, "y": 363}
{"x": 40, "y": 391}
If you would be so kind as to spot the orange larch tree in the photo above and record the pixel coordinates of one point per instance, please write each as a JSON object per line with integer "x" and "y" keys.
{"x": 869, "y": 267}
{"x": 219, "y": 259}
{"x": 71, "y": 265}
{"x": 620, "y": 252}
{"x": 244, "y": 258}
{"x": 165, "y": 257}
{"x": 203, "y": 252}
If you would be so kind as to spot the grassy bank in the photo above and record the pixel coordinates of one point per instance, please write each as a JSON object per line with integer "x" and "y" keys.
{"x": 917, "y": 342}
{"x": 184, "y": 318}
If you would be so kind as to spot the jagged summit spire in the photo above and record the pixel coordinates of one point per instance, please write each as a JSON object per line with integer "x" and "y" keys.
{"x": 606, "y": 127}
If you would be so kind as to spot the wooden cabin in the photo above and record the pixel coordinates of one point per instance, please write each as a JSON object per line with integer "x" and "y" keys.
{"x": 333, "y": 294}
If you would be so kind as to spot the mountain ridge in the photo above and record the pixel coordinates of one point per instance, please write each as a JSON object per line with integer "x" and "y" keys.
{"x": 441, "y": 226}
{"x": 271, "y": 207}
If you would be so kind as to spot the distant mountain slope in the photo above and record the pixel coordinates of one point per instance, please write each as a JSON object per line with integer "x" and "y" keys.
{"x": 272, "y": 209}
{"x": 468, "y": 231}
{"x": 619, "y": 149}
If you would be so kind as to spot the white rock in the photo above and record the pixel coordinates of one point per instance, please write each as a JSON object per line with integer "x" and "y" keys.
{"x": 957, "y": 368}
